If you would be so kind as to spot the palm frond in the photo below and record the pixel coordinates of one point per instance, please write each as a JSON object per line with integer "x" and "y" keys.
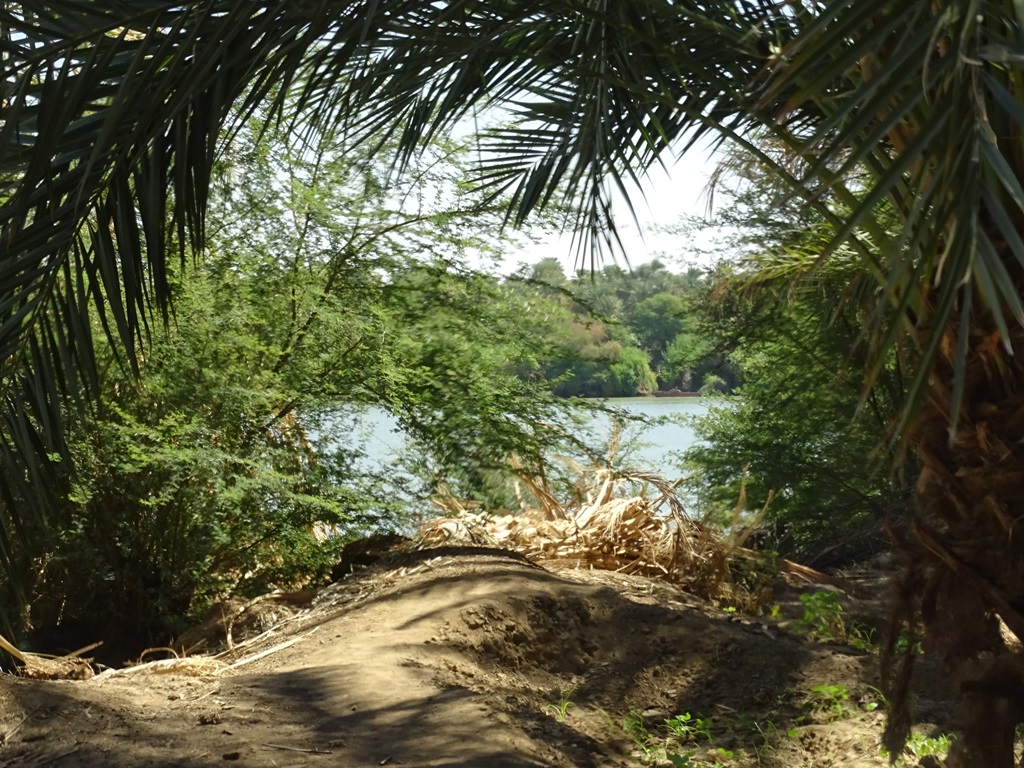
{"x": 112, "y": 113}
{"x": 922, "y": 96}
{"x": 597, "y": 91}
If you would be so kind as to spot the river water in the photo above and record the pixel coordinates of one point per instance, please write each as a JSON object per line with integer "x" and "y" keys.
{"x": 656, "y": 446}
{"x": 645, "y": 446}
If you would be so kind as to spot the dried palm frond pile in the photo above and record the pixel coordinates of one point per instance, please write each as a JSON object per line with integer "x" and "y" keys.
{"x": 44, "y": 667}
{"x": 629, "y": 521}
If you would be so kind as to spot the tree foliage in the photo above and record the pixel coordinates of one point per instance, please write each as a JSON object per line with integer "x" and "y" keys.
{"x": 217, "y": 467}
{"x": 464, "y": 379}
{"x": 797, "y": 440}
{"x": 192, "y": 482}
{"x": 618, "y": 334}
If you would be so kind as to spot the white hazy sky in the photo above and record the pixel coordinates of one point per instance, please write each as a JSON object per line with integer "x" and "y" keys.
{"x": 669, "y": 194}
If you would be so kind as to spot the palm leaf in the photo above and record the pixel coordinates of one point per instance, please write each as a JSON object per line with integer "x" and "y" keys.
{"x": 112, "y": 115}
{"x": 597, "y": 91}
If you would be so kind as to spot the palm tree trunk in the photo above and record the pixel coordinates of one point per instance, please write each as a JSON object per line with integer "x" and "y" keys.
{"x": 968, "y": 539}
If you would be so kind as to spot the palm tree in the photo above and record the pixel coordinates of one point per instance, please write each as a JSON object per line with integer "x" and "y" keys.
{"x": 112, "y": 117}
{"x": 906, "y": 115}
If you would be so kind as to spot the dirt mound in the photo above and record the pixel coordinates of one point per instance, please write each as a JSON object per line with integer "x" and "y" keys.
{"x": 480, "y": 660}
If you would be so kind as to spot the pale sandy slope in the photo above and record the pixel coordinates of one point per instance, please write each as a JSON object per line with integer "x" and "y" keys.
{"x": 457, "y": 661}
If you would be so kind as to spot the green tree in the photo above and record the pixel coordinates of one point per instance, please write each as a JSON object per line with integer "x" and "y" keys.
{"x": 201, "y": 477}
{"x": 790, "y": 442}
{"x": 589, "y": 358}
{"x": 549, "y": 272}
{"x": 591, "y": 351}
{"x": 657, "y": 321}
{"x": 464, "y": 359}
{"x": 194, "y": 482}
{"x": 910, "y": 103}
{"x": 686, "y": 354}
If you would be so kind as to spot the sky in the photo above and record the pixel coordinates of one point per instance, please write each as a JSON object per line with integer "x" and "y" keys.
{"x": 667, "y": 195}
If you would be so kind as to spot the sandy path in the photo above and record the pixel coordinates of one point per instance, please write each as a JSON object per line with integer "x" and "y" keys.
{"x": 455, "y": 661}
{"x": 355, "y": 690}
{"x": 362, "y": 685}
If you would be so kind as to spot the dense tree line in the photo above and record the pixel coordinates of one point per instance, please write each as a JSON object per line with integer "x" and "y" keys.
{"x": 621, "y": 332}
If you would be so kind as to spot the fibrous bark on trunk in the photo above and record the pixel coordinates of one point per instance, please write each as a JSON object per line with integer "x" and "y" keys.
{"x": 966, "y": 550}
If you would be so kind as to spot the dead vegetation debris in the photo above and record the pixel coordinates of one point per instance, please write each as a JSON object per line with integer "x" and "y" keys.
{"x": 629, "y": 522}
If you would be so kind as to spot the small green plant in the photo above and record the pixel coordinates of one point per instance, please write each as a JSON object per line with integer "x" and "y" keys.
{"x": 831, "y": 700}
{"x": 919, "y": 745}
{"x": 561, "y": 709}
{"x": 608, "y": 718}
{"x": 907, "y": 647}
{"x": 686, "y": 727}
{"x": 823, "y": 616}
{"x": 771, "y": 735}
{"x": 721, "y": 754}
{"x": 635, "y": 727}
{"x": 676, "y": 742}
{"x": 873, "y": 699}
{"x": 823, "y": 620}
{"x": 862, "y": 638}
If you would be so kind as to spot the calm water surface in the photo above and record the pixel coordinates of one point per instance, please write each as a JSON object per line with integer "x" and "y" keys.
{"x": 655, "y": 446}
{"x": 644, "y": 446}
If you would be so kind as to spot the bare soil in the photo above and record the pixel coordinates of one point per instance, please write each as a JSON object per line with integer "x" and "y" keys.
{"x": 479, "y": 658}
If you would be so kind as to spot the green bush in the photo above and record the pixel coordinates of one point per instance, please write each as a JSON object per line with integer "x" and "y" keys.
{"x": 192, "y": 483}
{"x": 200, "y": 477}
{"x": 796, "y": 428}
